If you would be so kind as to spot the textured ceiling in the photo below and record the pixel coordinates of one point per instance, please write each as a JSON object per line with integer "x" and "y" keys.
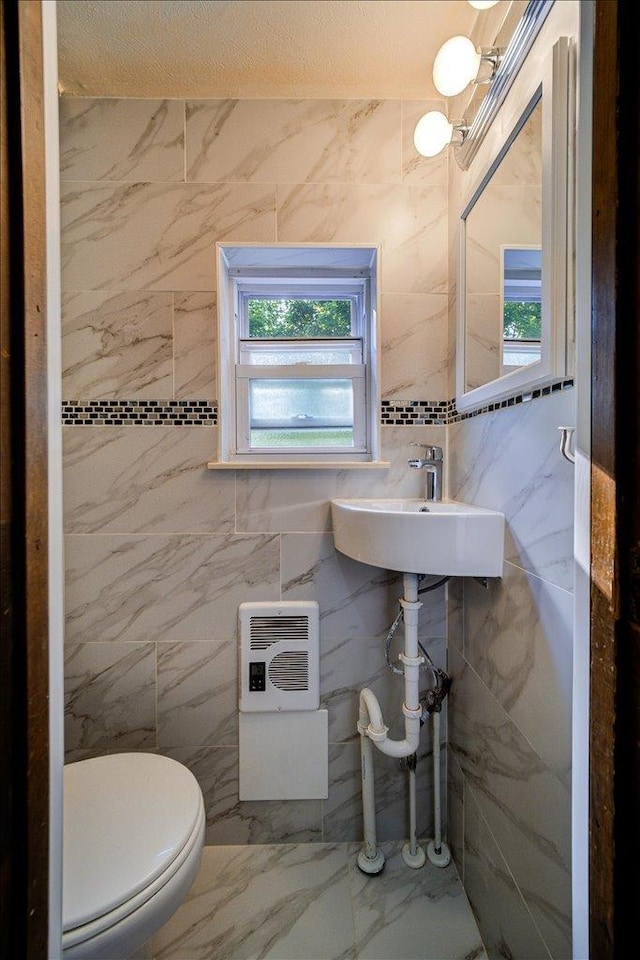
{"x": 254, "y": 48}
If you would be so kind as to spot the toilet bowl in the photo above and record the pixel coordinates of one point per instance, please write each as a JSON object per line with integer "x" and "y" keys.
{"x": 133, "y": 838}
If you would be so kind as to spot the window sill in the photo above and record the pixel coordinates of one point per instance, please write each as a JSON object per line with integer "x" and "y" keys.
{"x": 298, "y": 465}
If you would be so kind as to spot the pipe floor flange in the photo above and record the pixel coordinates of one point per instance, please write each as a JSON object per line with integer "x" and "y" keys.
{"x": 441, "y": 859}
{"x": 413, "y": 860}
{"x": 370, "y": 865}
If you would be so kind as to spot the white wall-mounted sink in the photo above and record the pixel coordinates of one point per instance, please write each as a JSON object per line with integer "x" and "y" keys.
{"x": 445, "y": 537}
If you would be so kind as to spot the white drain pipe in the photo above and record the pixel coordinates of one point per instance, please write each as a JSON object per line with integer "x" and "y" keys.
{"x": 437, "y": 850}
{"x": 372, "y": 728}
{"x": 370, "y": 858}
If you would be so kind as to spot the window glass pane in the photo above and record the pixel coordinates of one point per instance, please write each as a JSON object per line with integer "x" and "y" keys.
{"x": 304, "y": 438}
{"x": 300, "y": 317}
{"x": 301, "y": 413}
{"x": 520, "y": 353}
{"x": 522, "y": 320}
{"x": 269, "y": 354}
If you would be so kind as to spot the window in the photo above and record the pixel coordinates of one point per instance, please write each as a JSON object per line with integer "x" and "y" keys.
{"x": 297, "y": 354}
{"x": 521, "y": 305}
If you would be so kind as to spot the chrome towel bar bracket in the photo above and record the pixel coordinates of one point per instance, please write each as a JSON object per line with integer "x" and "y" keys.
{"x": 565, "y": 443}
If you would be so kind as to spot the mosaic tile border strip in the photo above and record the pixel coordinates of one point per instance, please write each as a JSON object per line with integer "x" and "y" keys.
{"x": 122, "y": 413}
{"x": 443, "y": 412}
{"x": 194, "y": 413}
{"x": 457, "y": 417}
{"x": 416, "y": 412}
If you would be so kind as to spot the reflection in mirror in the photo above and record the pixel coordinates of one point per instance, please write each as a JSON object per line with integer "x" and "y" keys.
{"x": 521, "y": 306}
{"x": 503, "y": 262}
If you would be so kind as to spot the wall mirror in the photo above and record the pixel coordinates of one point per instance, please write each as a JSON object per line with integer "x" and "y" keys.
{"x": 515, "y": 327}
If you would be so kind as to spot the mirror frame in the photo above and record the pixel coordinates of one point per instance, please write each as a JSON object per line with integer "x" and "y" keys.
{"x": 556, "y": 91}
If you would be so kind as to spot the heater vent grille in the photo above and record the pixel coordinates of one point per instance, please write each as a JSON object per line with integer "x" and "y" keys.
{"x": 279, "y": 656}
{"x": 264, "y": 631}
{"x": 290, "y": 671}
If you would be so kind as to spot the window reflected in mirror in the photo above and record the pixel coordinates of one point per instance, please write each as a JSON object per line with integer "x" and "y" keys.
{"x": 521, "y": 306}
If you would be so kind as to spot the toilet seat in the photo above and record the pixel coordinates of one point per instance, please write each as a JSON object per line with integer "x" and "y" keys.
{"x": 134, "y": 830}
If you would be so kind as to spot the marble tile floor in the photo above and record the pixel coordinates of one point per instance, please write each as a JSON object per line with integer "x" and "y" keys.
{"x": 309, "y": 901}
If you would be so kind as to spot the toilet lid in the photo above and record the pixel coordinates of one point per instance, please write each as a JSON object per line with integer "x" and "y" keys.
{"x": 127, "y": 817}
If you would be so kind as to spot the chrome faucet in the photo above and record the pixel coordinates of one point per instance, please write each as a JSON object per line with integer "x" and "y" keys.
{"x": 432, "y": 463}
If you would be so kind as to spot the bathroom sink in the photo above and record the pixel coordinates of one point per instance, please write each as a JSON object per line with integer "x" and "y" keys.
{"x": 443, "y": 537}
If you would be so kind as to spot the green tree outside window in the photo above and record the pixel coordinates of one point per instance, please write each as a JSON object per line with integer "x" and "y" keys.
{"x": 522, "y": 321}
{"x": 299, "y": 318}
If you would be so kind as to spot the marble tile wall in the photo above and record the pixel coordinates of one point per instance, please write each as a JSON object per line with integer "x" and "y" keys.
{"x": 159, "y": 550}
{"x": 511, "y": 662}
{"x": 510, "y": 650}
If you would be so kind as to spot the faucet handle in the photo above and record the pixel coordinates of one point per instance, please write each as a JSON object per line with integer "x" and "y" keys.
{"x": 431, "y": 452}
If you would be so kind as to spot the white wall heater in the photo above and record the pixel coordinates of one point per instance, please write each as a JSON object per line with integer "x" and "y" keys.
{"x": 283, "y": 735}
{"x": 279, "y": 656}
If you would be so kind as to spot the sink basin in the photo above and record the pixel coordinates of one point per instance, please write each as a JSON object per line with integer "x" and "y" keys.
{"x": 444, "y": 537}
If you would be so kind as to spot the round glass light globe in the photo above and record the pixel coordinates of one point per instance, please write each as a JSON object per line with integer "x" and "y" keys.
{"x": 432, "y": 133}
{"x": 456, "y": 65}
{"x": 483, "y": 4}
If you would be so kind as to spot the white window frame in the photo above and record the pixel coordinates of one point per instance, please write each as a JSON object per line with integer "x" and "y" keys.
{"x": 238, "y": 285}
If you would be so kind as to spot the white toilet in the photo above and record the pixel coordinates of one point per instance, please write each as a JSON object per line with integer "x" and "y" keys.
{"x": 133, "y": 838}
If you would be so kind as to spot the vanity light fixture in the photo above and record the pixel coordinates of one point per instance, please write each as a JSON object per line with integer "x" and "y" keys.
{"x": 458, "y": 63}
{"x": 434, "y": 132}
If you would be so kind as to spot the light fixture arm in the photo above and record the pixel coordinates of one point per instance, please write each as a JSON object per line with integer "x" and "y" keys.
{"x": 460, "y": 130}
{"x": 493, "y": 56}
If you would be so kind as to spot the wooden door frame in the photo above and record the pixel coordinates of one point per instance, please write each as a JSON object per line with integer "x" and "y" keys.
{"x": 615, "y": 449}
{"x": 24, "y": 648}
{"x": 614, "y": 857}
